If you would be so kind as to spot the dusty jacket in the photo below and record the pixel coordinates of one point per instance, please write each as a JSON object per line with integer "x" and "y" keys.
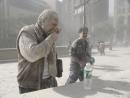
{"x": 80, "y": 52}
{"x": 30, "y": 72}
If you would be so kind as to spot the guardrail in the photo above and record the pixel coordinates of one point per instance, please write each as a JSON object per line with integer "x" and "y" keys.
{"x": 9, "y": 54}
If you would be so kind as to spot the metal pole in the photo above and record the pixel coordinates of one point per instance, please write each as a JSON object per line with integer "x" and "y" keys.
{"x": 84, "y": 16}
{"x": 126, "y": 22}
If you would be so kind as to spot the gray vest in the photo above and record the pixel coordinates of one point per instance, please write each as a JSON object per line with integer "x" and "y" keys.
{"x": 29, "y": 74}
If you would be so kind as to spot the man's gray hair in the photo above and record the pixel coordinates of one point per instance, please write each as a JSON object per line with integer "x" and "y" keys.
{"x": 46, "y": 15}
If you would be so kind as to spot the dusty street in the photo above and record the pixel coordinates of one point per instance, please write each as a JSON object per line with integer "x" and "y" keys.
{"x": 111, "y": 70}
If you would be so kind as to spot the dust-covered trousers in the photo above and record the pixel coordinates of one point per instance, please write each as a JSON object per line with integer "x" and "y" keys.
{"x": 45, "y": 83}
{"x": 76, "y": 72}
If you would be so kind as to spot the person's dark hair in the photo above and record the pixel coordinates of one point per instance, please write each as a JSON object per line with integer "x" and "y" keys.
{"x": 83, "y": 29}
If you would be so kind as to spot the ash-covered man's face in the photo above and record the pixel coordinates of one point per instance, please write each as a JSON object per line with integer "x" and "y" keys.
{"x": 48, "y": 21}
{"x": 51, "y": 26}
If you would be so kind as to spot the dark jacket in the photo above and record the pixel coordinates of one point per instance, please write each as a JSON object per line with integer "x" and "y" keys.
{"x": 80, "y": 52}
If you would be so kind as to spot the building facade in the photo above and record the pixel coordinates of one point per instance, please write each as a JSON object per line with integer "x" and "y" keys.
{"x": 74, "y": 13}
{"x": 122, "y": 21}
{"x": 15, "y": 14}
